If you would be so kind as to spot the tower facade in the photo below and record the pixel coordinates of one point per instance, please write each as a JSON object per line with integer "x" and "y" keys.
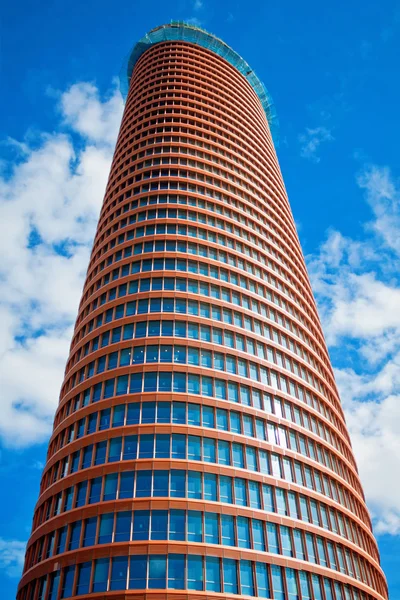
{"x": 199, "y": 447}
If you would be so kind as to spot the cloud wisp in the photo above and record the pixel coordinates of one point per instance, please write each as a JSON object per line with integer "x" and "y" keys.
{"x": 12, "y": 555}
{"x": 357, "y": 287}
{"x": 311, "y": 141}
{"x": 49, "y": 204}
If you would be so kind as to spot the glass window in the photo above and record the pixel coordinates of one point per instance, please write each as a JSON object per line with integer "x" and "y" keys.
{"x": 194, "y": 484}
{"x": 178, "y": 483}
{"x": 304, "y": 585}
{"x": 262, "y": 580}
{"x": 157, "y": 572}
{"x": 224, "y": 457}
{"x": 75, "y": 534}
{"x": 179, "y": 413}
{"x": 62, "y": 538}
{"x": 211, "y": 528}
{"x": 114, "y": 452}
{"x": 209, "y": 450}
{"x": 119, "y": 572}
{"x": 110, "y": 487}
{"x": 146, "y": 448}
{"x": 310, "y": 548}
{"x": 163, "y": 412}
{"x": 81, "y": 494}
{"x": 159, "y": 524}
{"x": 258, "y": 535}
{"x": 293, "y": 591}
{"x": 251, "y": 458}
{"x": 254, "y": 494}
{"x": 176, "y": 571}
{"x": 160, "y": 483}
{"x": 273, "y": 544}
{"x": 237, "y": 455}
{"x": 123, "y": 526}
{"x": 130, "y": 447}
{"x": 177, "y": 525}
{"x": 227, "y": 530}
{"x": 213, "y": 579}
{"x": 178, "y": 446}
{"x": 82, "y": 586}
{"x": 240, "y": 492}
{"x": 195, "y": 526}
{"x": 246, "y": 578}
{"x": 277, "y": 583}
{"x": 194, "y": 414}
{"x": 243, "y": 532}
{"x": 298, "y": 543}
{"x": 225, "y": 489}
{"x": 141, "y": 522}
{"x": 195, "y": 573}
{"x": 163, "y": 445}
{"x": 68, "y": 582}
{"x": 138, "y": 572}
{"x": 210, "y": 486}
{"x": 106, "y": 528}
{"x": 143, "y": 484}
{"x": 230, "y": 576}
{"x": 54, "y": 582}
{"x": 89, "y": 535}
{"x": 287, "y": 549}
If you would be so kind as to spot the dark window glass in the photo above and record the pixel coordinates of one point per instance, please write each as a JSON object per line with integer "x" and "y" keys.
{"x": 157, "y": 572}
{"x": 106, "y": 527}
{"x": 100, "y": 575}
{"x": 138, "y": 572}
{"x": 123, "y": 526}
{"x": 141, "y": 522}
{"x": 126, "y": 485}
{"x": 119, "y": 571}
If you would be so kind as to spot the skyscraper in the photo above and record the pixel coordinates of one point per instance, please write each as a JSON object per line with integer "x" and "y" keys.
{"x": 199, "y": 447}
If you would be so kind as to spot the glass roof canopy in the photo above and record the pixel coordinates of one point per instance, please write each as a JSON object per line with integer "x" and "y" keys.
{"x": 181, "y": 31}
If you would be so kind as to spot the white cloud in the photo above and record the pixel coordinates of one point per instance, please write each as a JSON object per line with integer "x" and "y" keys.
{"x": 12, "y": 555}
{"x": 49, "y": 205}
{"x": 198, "y": 4}
{"x": 358, "y": 292}
{"x": 311, "y": 140}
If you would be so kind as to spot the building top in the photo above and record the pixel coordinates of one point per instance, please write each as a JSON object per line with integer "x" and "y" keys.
{"x": 181, "y": 31}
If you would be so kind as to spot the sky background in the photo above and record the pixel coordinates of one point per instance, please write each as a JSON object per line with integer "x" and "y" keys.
{"x": 333, "y": 72}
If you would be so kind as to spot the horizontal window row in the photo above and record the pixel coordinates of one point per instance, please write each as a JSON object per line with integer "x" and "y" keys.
{"x": 192, "y": 330}
{"x": 263, "y": 233}
{"x": 225, "y": 97}
{"x": 192, "y": 248}
{"x": 197, "y": 356}
{"x": 193, "y": 122}
{"x": 187, "y": 329}
{"x": 195, "y": 146}
{"x": 203, "y": 309}
{"x": 188, "y": 383}
{"x": 200, "y": 217}
{"x": 193, "y": 415}
{"x": 199, "y": 108}
{"x": 188, "y": 572}
{"x": 310, "y": 313}
{"x": 217, "y": 273}
{"x": 209, "y": 487}
{"x": 196, "y": 448}
{"x": 197, "y": 128}
{"x": 195, "y": 526}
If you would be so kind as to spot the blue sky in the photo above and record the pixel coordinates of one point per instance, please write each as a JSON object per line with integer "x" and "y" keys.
{"x": 333, "y": 72}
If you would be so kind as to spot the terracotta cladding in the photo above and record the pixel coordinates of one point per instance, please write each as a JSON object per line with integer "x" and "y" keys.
{"x": 199, "y": 448}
